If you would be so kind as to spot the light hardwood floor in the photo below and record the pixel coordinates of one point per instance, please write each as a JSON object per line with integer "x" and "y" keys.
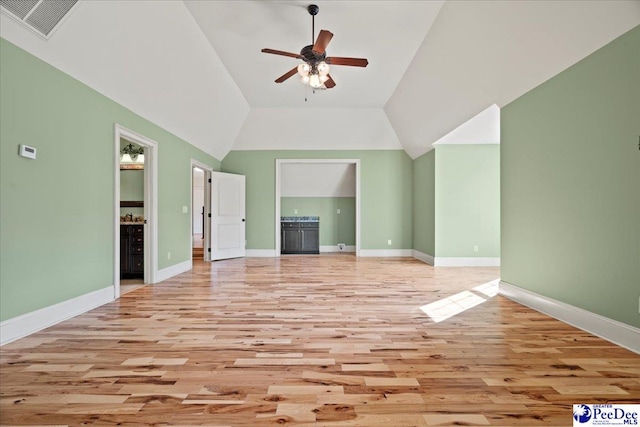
{"x": 128, "y": 285}
{"x": 313, "y": 341}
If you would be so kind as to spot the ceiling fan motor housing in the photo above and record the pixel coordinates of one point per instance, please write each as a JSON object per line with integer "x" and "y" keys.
{"x": 311, "y": 57}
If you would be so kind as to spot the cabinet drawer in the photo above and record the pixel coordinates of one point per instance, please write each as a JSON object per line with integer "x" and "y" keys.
{"x": 290, "y": 224}
{"x": 137, "y": 229}
{"x": 309, "y": 225}
{"x": 137, "y": 263}
{"x": 137, "y": 249}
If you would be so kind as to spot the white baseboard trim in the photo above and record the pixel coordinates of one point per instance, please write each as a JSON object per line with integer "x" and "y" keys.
{"x": 466, "y": 262}
{"x": 611, "y": 330}
{"x": 29, "y": 323}
{"x": 260, "y": 253}
{"x": 334, "y": 248}
{"x": 423, "y": 257}
{"x": 386, "y": 252}
{"x": 174, "y": 270}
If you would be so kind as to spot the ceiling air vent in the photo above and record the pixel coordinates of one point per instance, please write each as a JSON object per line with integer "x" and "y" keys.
{"x": 41, "y": 16}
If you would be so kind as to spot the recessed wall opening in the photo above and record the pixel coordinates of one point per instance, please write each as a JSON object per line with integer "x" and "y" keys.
{"x": 317, "y": 202}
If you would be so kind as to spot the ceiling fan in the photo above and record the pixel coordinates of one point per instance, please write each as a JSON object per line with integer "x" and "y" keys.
{"x": 314, "y": 71}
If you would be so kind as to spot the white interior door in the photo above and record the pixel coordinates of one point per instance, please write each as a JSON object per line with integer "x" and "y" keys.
{"x": 227, "y": 215}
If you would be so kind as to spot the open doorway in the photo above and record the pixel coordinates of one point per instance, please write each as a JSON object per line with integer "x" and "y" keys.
{"x": 135, "y": 211}
{"x": 132, "y": 216}
{"x": 317, "y": 194}
{"x": 198, "y": 214}
{"x": 200, "y": 211}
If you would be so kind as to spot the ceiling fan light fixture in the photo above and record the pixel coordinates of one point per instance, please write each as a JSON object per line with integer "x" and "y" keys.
{"x": 314, "y": 81}
{"x": 314, "y": 71}
{"x": 303, "y": 69}
{"x": 323, "y": 68}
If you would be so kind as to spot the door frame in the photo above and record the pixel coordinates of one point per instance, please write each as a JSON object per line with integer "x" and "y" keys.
{"x": 280, "y": 162}
{"x": 206, "y": 226}
{"x": 150, "y": 204}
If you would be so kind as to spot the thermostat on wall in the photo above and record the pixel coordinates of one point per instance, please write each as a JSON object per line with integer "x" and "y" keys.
{"x": 28, "y": 152}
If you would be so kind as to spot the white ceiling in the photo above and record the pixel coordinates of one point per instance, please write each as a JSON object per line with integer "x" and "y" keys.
{"x": 318, "y": 180}
{"x": 195, "y": 67}
{"x": 387, "y": 33}
{"x": 480, "y": 53}
{"x": 481, "y": 129}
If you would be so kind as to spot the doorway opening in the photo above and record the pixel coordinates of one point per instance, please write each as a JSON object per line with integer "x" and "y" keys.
{"x": 135, "y": 210}
{"x": 339, "y": 174}
{"x": 200, "y": 211}
{"x": 197, "y": 213}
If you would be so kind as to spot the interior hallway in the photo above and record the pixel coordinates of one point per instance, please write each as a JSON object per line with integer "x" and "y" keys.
{"x": 313, "y": 340}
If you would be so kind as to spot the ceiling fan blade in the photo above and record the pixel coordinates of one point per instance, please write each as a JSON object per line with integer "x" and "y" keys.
{"x": 280, "y": 52}
{"x": 353, "y": 62}
{"x": 322, "y": 41}
{"x": 329, "y": 83}
{"x": 286, "y": 75}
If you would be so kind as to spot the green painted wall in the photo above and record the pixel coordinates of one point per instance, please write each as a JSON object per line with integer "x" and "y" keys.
{"x": 467, "y": 200}
{"x": 57, "y": 211}
{"x": 334, "y": 228}
{"x": 424, "y": 193}
{"x": 386, "y": 191}
{"x": 571, "y": 184}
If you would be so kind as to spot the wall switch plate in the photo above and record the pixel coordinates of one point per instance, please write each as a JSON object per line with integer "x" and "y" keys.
{"x": 26, "y": 151}
{"x": 185, "y": 209}
{"x": 168, "y": 255}
{"x": 475, "y": 248}
{"x": 338, "y": 211}
{"x": 389, "y": 242}
{"x": 295, "y": 211}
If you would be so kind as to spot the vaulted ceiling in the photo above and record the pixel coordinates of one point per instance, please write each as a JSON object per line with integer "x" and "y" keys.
{"x": 195, "y": 67}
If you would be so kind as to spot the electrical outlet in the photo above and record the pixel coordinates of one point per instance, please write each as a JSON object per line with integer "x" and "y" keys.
{"x": 168, "y": 255}
{"x": 185, "y": 209}
{"x": 341, "y": 247}
{"x": 475, "y": 248}
{"x": 295, "y": 211}
{"x": 389, "y": 242}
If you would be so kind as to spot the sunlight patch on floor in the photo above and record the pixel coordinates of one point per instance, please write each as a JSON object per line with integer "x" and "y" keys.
{"x": 489, "y": 289}
{"x": 455, "y": 304}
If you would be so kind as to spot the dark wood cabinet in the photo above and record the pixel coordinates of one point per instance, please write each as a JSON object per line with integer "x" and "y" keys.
{"x": 131, "y": 251}
{"x": 300, "y": 238}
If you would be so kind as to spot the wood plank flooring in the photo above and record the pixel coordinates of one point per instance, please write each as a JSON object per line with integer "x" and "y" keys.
{"x": 313, "y": 341}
